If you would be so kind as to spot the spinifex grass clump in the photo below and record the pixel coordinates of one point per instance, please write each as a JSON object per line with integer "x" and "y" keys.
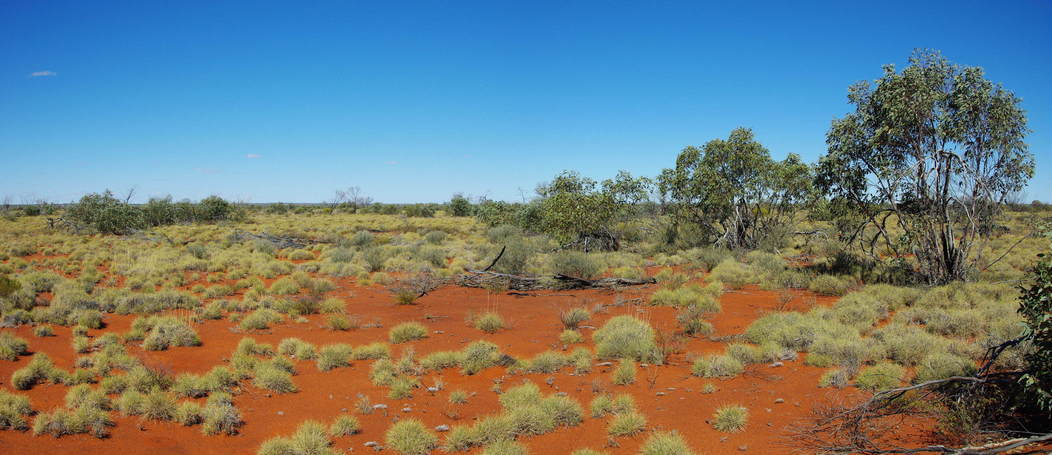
{"x": 410, "y": 437}
{"x": 730, "y": 419}
{"x": 407, "y": 331}
{"x": 627, "y": 337}
{"x": 310, "y": 438}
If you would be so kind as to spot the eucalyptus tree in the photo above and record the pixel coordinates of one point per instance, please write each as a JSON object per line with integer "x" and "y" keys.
{"x": 734, "y": 194}
{"x": 926, "y": 161}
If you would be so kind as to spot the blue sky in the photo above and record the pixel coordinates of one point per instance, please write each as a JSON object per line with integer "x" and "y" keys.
{"x": 413, "y": 101}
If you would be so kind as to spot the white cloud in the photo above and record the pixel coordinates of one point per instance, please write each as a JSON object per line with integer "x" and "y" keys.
{"x": 253, "y": 156}
{"x": 390, "y": 163}
{"x": 43, "y": 74}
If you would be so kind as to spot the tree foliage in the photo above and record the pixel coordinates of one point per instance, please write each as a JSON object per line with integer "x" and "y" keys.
{"x": 935, "y": 149}
{"x": 1035, "y": 305}
{"x": 573, "y": 208}
{"x": 105, "y": 214}
{"x": 733, "y": 192}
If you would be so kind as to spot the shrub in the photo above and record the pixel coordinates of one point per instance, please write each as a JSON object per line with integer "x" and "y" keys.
{"x": 836, "y": 377}
{"x": 407, "y": 331}
{"x": 626, "y": 424}
{"x": 830, "y": 285}
{"x": 220, "y": 415}
{"x": 478, "y": 356}
{"x": 372, "y": 351}
{"x": 310, "y": 439}
{"x": 745, "y": 353}
{"x": 573, "y": 317}
{"x": 717, "y": 366}
{"x": 158, "y": 405}
{"x": 732, "y": 273}
{"x": 337, "y": 322}
{"x": 270, "y": 376}
{"x": 295, "y": 347}
{"x": 625, "y": 373}
{"x": 13, "y": 411}
{"x": 410, "y": 437}
{"x": 564, "y": 410}
{"x": 530, "y": 419}
{"x": 489, "y": 322}
{"x": 163, "y": 332}
{"x": 665, "y": 443}
{"x": 43, "y": 331}
{"x": 188, "y": 413}
{"x": 626, "y": 337}
{"x": 505, "y": 448}
{"x": 334, "y": 356}
{"x": 691, "y": 318}
{"x": 575, "y": 264}
{"x": 40, "y": 368}
{"x": 547, "y": 362}
{"x": 881, "y": 376}
{"x": 939, "y": 365}
{"x": 605, "y": 404}
{"x": 11, "y": 346}
{"x": 344, "y": 425}
{"x": 570, "y": 336}
{"x": 260, "y": 319}
{"x": 730, "y": 419}
{"x": 285, "y": 286}
{"x": 458, "y": 397}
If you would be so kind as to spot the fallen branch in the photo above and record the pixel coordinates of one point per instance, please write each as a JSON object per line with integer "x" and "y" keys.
{"x": 485, "y": 278}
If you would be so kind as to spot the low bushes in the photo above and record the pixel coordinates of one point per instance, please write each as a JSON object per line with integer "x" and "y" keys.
{"x": 626, "y": 424}
{"x": 717, "y": 366}
{"x": 158, "y": 333}
{"x": 311, "y": 438}
{"x": 730, "y": 419}
{"x": 14, "y": 409}
{"x": 625, "y": 373}
{"x": 881, "y": 376}
{"x": 488, "y": 322}
{"x": 407, "y": 331}
{"x": 627, "y": 337}
{"x": 410, "y": 437}
{"x": 665, "y": 443}
{"x": 11, "y": 346}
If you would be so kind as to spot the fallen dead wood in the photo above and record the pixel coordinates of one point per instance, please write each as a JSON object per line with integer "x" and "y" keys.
{"x": 281, "y": 242}
{"x": 495, "y": 280}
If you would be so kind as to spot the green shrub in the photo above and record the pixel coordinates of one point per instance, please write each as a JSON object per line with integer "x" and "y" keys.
{"x": 830, "y": 285}
{"x": 627, "y": 337}
{"x": 732, "y": 273}
{"x": 310, "y": 438}
{"x": 188, "y": 413}
{"x": 547, "y": 362}
{"x": 337, "y": 322}
{"x": 458, "y": 397}
{"x": 162, "y": 332}
{"x": 11, "y": 346}
{"x": 717, "y": 366}
{"x": 40, "y": 368}
{"x": 730, "y": 419}
{"x": 570, "y": 336}
{"x": 407, "y": 331}
{"x": 220, "y": 415}
{"x": 372, "y": 351}
{"x": 626, "y": 424}
{"x": 345, "y": 425}
{"x": 158, "y": 405}
{"x": 606, "y": 404}
{"x": 260, "y": 319}
{"x": 625, "y": 373}
{"x": 410, "y": 437}
{"x": 272, "y": 377}
{"x": 940, "y": 365}
{"x": 478, "y": 356}
{"x": 573, "y": 317}
{"x": 505, "y": 448}
{"x": 564, "y": 410}
{"x": 881, "y": 376}
{"x": 576, "y": 264}
{"x": 43, "y": 331}
{"x": 14, "y": 409}
{"x": 488, "y": 322}
{"x": 295, "y": 347}
{"x": 837, "y": 377}
{"x": 745, "y": 353}
{"x": 334, "y": 356}
{"x": 285, "y": 286}
{"x": 665, "y": 443}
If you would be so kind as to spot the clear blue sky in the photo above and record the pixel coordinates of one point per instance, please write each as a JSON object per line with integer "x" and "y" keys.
{"x": 265, "y": 101}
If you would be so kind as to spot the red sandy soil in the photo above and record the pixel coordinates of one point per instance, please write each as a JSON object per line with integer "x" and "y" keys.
{"x": 668, "y": 395}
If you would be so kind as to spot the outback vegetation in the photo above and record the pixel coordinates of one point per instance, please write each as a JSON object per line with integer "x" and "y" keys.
{"x": 818, "y": 307}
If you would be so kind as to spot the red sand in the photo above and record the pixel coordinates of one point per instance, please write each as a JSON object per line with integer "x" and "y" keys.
{"x": 668, "y": 396}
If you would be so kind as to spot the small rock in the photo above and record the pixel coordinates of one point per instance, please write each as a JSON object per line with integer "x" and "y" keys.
{"x": 407, "y": 409}
{"x": 743, "y": 448}
{"x": 604, "y": 364}
{"x": 281, "y": 413}
{"x": 380, "y": 406}
{"x": 777, "y": 364}
{"x": 560, "y": 394}
{"x": 779, "y": 400}
{"x": 372, "y": 444}
{"x": 343, "y": 409}
{"x": 723, "y": 439}
{"x": 660, "y": 394}
{"x": 670, "y": 388}
{"x": 432, "y": 389}
{"x": 442, "y": 428}
{"x": 549, "y": 380}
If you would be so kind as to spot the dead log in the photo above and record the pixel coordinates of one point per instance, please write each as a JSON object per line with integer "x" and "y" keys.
{"x": 487, "y": 279}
